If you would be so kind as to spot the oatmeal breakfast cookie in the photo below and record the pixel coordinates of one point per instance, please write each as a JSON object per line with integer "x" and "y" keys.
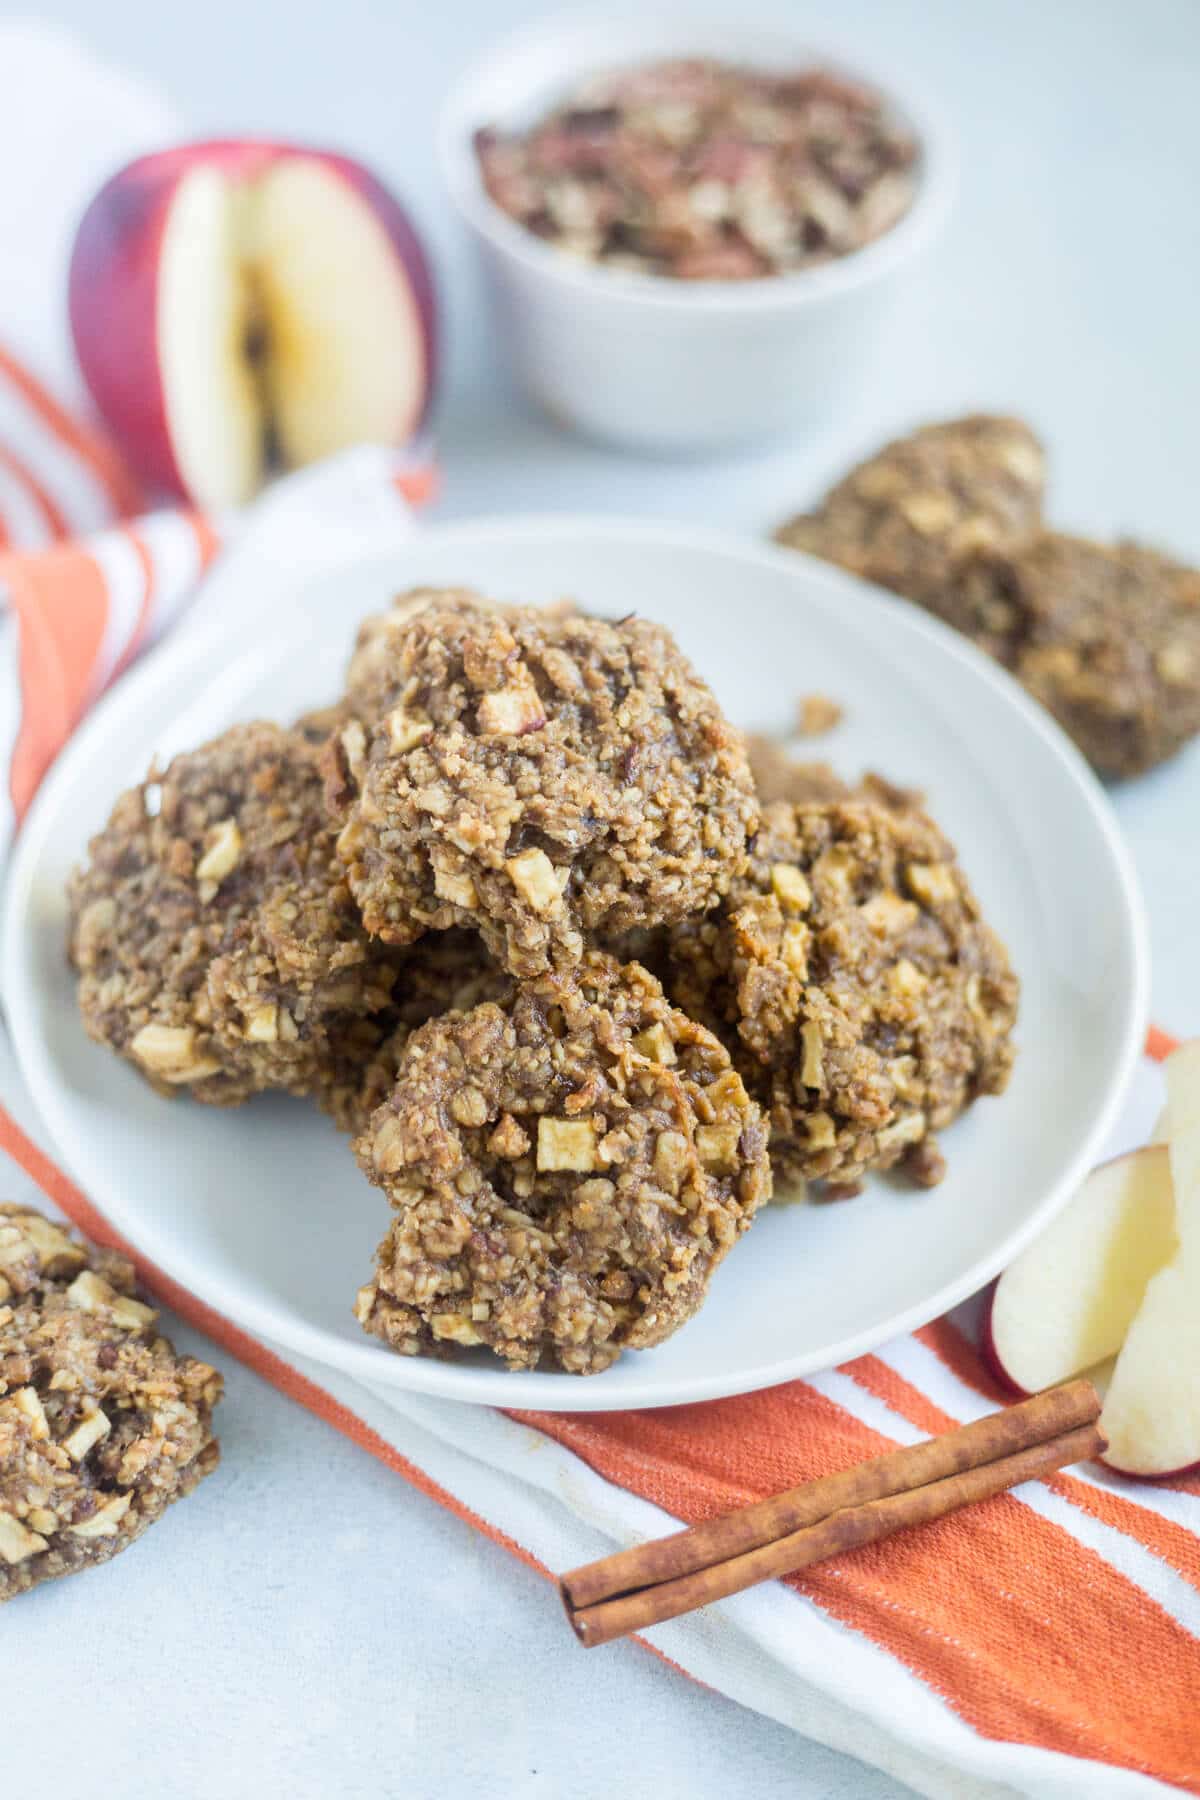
{"x": 215, "y": 939}
{"x": 909, "y": 517}
{"x": 777, "y": 775}
{"x": 780, "y": 776}
{"x": 447, "y": 971}
{"x": 536, "y": 777}
{"x": 818, "y": 714}
{"x": 374, "y": 673}
{"x": 863, "y": 998}
{"x": 567, "y": 1168}
{"x": 321, "y": 723}
{"x": 1106, "y": 637}
{"x": 102, "y": 1425}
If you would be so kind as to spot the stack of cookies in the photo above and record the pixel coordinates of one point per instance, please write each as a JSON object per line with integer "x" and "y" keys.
{"x": 517, "y": 915}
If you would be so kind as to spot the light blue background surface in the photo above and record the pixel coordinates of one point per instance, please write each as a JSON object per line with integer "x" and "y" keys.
{"x": 394, "y": 1650}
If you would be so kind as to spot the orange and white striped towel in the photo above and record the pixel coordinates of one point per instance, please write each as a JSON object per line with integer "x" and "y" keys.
{"x": 76, "y": 610}
{"x": 1046, "y": 1643}
{"x": 984, "y": 1656}
{"x": 89, "y": 579}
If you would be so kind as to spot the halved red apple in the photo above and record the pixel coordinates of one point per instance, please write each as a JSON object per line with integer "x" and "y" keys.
{"x": 232, "y": 303}
{"x": 1068, "y": 1301}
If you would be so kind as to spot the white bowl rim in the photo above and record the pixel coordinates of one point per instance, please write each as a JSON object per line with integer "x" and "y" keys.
{"x": 767, "y": 293}
{"x": 447, "y": 1380}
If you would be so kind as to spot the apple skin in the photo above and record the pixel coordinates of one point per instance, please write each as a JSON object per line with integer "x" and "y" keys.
{"x": 999, "y": 1374}
{"x": 990, "y": 1356}
{"x": 113, "y": 284}
{"x": 112, "y": 296}
{"x": 1091, "y": 1206}
{"x": 1154, "y": 1475}
{"x": 112, "y": 290}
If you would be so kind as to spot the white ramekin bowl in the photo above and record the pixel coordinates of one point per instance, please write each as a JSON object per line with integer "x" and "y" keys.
{"x": 646, "y": 360}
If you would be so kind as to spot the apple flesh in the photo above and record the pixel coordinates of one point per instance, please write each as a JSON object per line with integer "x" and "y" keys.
{"x": 1183, "y": 1139}
{"x": 232, "y": 303}
{"x": 1068, "y": 1301}
{"x": 1151, "y": 1412}
{"x": 1118, "y": 1274}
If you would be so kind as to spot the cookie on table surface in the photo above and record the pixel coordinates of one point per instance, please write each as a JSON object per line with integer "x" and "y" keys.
{"x": 910, "y": 516}
{"x": 217, "y": 945}
{"x": 863, "y": 998}
{"x": 566, "y": 1170}
{"x": 102, "y": 1425}
{"x": 536, "y": 777}
{"x": 1106, "y": 637}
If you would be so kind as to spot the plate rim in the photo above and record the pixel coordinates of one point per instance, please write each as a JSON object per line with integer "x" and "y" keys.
{"x": 502, "y": 1387}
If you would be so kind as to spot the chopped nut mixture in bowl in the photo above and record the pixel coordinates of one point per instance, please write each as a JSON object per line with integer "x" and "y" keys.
{"x": 662, "y": 201}
{"x": 706, "y": 171}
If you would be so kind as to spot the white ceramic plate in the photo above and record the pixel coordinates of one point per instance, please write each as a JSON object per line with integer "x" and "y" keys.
{"x": 262, "y": 1212}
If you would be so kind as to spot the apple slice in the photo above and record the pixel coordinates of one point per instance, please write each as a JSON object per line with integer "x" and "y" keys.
{"x": 1152, "y": 1410}
{"x": 1067, "y": 1302}
{"x": 1183, "y": 1138}
{"x": 229, "y": 300}
{"x": 1151, "y": 1415}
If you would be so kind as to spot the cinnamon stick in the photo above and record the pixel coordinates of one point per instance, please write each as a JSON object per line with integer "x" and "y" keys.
{"x": 657, "y": 1581}
{"x": 985, "y": 1440}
